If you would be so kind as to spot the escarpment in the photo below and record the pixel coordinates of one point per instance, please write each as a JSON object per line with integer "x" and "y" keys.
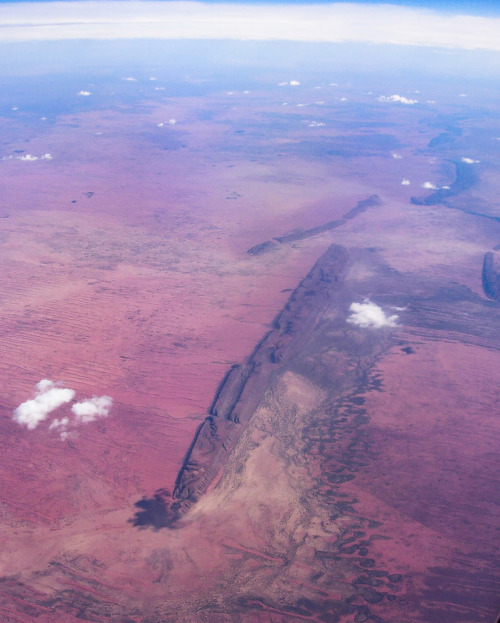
{"x": 244, "y": 385}
{"x": 490, "y": 277}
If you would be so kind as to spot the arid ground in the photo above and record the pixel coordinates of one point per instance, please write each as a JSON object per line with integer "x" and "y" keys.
{"x": 151, "y": 237}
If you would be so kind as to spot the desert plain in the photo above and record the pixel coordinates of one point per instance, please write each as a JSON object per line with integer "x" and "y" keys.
{"x": 210, "y": 256}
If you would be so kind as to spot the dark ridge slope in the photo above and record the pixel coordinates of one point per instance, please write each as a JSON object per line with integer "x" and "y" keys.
{"x": 302, "y": 234}
{"x": 465, "y": 178}
{"x": 242, "y": 389}
{"x": 491, "y": 279}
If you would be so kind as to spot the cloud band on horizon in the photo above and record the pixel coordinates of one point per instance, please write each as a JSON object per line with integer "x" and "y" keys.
{"x": 335, "y": 22}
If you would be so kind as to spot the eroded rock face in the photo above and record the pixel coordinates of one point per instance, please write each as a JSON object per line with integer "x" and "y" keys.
{"x": 491, "y": 278}
{"x": 244, "y": 385}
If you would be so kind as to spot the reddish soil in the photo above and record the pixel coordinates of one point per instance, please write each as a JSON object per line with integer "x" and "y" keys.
{"x": 365, "y": 485}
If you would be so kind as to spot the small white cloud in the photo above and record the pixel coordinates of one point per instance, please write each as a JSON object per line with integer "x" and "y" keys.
{"x": 431, "y": 101}
{"x": 48, "y": 398}
{"x": 84, "y": 93}
{"x": 334, "y": 84}
{"x": 469, "y": 160}
{"x": 463, "y": 95}
{"x": 343, "y": 99}
{"x": 160, "y": 125}
{"x": 159, "y": 88}
{"x": 315, "y": 124}
{"x": 230, "y": 93}
{"x": 89, "y": 410}
{"x": 445, "y": 187}
{"x": 405, "y": 182}
{"x": 429, "y": 186}
{"x": 172, "y": 121}
{"x": 396, "y": 99}
{"x": 47, "y": 157}
{"x": 283, "y": 84}
{"x": 152, "y": 78}
{"x": 294, "y": 83}
{"x": 130, "y": 79}
{"x": 59, "y": 424}
{"x": 370, "y": 315}
{"x": 28, "y": 158}
{"x": 397, "y": 156}
{"x": 15, "y": 108}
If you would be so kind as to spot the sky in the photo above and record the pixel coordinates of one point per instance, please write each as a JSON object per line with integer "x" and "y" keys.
{"x": 370, "y": 22}
{"x": 473, "y": 7}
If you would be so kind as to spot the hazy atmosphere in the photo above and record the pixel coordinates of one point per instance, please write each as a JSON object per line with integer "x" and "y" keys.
{"x": 250, "y": 305}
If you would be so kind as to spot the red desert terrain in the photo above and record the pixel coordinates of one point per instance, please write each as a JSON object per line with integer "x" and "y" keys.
{"x": 272, "y": 452}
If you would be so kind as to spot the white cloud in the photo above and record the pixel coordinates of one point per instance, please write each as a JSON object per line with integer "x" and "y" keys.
{"x": 59, "y": 424}
{"x": 84, "y": 93}
{"x": 44, "y": 385}
{"x": 89, "y": 410}
{"x": 397, "y": 156}
{"x": 429, "y": 186}
{"x": 370, "y": 315}
{"x": 405, "y": 182}
{"x": 469, "y": 161}
{"x": 48, "y": 398}
{"x": 172, "y": 121}
{"x": 130, "y": 79}
{"x": 334, "y": 22}
{"x": 398, "y": 99}
{"x": 32, "y": 158}
{"x": 294, "y": 83}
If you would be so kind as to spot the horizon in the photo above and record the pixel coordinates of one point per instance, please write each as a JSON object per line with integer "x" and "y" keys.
{"x": 396, "y": 23}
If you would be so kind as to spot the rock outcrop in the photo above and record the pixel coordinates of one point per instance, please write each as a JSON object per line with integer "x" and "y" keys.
{"x": 243, "y": 386}
{"x": 491, "y": 278}
{"x": 302, "y": 234}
